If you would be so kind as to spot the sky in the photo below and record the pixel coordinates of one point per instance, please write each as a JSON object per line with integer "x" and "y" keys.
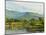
{"x": 24, "y": 6}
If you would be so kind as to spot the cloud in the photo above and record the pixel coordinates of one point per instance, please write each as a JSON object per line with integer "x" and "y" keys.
{"x": 25, "y": 7}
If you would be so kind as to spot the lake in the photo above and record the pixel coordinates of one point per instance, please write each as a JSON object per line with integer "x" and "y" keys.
{"x": 16, "y": 31}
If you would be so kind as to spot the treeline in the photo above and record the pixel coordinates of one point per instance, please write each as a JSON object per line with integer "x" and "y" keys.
{"x": 31, "y": 25}
{"x": 35, "y": 25}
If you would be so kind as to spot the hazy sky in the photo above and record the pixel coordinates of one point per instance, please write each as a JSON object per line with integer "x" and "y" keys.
{"x": 24, "y": 7}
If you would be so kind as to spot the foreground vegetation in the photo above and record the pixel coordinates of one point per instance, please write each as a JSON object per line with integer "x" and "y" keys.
{"x": 31, "y": 25}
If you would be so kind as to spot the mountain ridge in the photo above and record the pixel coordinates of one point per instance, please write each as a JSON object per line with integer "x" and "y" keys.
{"x": 21, "y": 15}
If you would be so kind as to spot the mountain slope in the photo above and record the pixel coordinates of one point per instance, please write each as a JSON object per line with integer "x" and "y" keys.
{"x": 21, "y": 15}
{"x": 30, "y": 15}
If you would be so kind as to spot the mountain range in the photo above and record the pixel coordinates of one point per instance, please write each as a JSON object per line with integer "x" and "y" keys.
{"x": 22, "y": 15}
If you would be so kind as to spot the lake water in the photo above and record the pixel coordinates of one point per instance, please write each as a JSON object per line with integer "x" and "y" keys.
{"x": 16, "y": 31}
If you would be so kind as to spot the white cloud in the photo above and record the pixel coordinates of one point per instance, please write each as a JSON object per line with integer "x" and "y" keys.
{"x": 25, "y": 7}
